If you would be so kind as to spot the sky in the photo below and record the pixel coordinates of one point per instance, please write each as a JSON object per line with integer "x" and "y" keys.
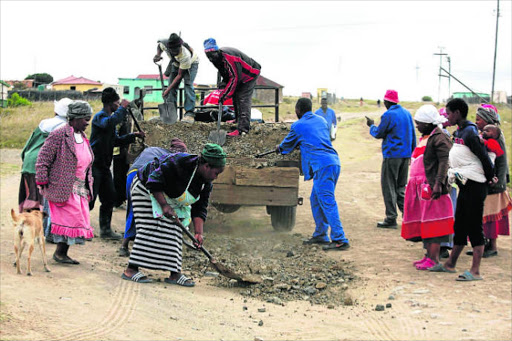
{"x": 353, "y": 48}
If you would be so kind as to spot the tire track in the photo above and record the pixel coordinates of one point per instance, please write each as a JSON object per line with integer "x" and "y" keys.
{"x": 120, "y": 310}
{"x": 378, "y": 329}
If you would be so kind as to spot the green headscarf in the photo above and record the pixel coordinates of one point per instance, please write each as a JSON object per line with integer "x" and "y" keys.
{"x": 214, "y": 155}
{"x": 79, "y": 109}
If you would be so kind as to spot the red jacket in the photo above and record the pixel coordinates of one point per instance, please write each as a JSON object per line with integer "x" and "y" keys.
{"x": 56, "y": 164}
{"x": 237, "y": 68}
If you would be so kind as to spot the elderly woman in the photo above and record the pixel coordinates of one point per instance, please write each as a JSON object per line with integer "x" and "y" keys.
{"x": 498, "y": 202}
{"x": 174, "y": 188}
{"x": 63, "y": 172}
{"x": 428, "y": 211}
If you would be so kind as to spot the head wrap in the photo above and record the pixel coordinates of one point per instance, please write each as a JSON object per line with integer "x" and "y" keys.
{"x": 210, "y": 45}
{"x": 79, "y": 109}
{"x": 487, "y": 105}
{"x": 109, "y": 95}
{"x": 214, "y": 155}
{"x": 488, "y": 115}
{"x": 429, "y": 114}
{"x": 61, "y": 106}
{"x": 174, "y": 41}
{"x": 178, "y": 146}
{"x": 391, "y": 96}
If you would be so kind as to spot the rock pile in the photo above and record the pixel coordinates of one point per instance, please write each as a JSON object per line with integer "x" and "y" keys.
{"x": 240, "y": 150}
{"x": 285, "y": 269}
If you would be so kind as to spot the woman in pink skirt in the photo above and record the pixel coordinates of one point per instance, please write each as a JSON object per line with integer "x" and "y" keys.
{"x": 63, "y": 172}
{"x": 428, "y": 211}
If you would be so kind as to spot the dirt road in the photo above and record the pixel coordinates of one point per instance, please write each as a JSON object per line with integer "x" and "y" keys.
{"x": 92, "y": 302}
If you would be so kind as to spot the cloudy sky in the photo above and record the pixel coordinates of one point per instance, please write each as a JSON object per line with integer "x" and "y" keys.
{"x": 355, "y": 49}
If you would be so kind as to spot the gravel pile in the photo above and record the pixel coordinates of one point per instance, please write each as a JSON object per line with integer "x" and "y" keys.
{"x": 240, "y": 150}
{"x": 284, "y": 269}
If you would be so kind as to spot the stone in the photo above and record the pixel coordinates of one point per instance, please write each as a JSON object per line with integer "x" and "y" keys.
{"x": 290, "y": 254}
{"x": 348, "y": 301}
{"x": 330, "y": 306}
{"x": 388, "y": 305}
{"x": 257, "y": 338}
{"x": 421, "y": 291}
{"x": 391, "y": 297}
{"x": 211, "y": 274}
{"x": 321, "y": 285}
{"x": 282, "y": 286}
{"x": 260, "y": 323}
{"x": 379, "y": 307}
{"x": 262, "y": 310}
{"x": 310, "y": 290}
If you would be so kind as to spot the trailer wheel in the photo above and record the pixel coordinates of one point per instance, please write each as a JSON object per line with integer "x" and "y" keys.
{"x": 283, "y": 217}
{"x": 225, "y": 208}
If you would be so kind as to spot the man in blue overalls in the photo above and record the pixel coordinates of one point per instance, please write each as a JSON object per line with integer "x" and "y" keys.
{"x": 320, "y": 162}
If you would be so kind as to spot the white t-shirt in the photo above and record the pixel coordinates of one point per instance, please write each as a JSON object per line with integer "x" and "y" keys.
{"x": 184, "y": 59}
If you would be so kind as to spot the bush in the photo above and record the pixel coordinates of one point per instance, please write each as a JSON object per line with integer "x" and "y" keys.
{"x": 426, "y": 99}
{"x": 16, "y": 101}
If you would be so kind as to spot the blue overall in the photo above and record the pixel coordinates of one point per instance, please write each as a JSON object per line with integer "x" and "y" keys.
{"x": 320, "y": 162}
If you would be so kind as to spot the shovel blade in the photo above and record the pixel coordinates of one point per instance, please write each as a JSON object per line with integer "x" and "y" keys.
{"x": 224, "y": 271}
{"x": 168, "y": 112}
{"x": 217, "y": 137}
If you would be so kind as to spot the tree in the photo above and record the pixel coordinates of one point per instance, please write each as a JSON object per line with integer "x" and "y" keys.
{"x": 426, "y": 99}
{"x": 40, "y": 78}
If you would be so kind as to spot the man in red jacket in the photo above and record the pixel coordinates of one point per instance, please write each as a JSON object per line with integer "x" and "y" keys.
{"x": 239, "y": 74}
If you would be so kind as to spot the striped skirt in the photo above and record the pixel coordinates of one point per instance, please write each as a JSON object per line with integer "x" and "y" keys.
{"x": 158, "y": 242}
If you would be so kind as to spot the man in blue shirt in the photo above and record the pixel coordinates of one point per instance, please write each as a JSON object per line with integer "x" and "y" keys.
{"x": 396, "y": 129}
{"x": 320, "y": 162}
{"x": 104, "y": 138}
{"x": 330, "y": 117}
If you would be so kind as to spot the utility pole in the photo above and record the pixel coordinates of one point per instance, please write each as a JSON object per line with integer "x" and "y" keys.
{"x": 495, "y": 51}
{"x": 449, "y": 75}
{"x": 440, "y": 54}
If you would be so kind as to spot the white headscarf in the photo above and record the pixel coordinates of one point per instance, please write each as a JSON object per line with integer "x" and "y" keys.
{"x": 61, "y": 107}
{"x": 429, "y": 114}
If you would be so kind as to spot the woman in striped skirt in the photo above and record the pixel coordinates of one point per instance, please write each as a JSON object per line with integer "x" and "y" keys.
{"x": 175, "y": 186}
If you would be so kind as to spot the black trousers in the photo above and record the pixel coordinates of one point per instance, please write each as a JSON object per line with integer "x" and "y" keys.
{"x": 393, "y": 178}
{"x": 121, "y": 167}
{"x": 104, "y": 188}
{"x": 242, "y": 102}
{"x": 469, "y": 214}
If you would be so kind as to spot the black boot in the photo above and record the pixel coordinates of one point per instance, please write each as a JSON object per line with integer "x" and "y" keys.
{"x": 105, "y": 229}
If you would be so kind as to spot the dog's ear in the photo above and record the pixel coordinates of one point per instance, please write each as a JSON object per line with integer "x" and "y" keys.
{"x": 14, "y": 216}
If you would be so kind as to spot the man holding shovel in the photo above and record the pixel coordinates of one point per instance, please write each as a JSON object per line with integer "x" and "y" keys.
{"x": 104, "y": 138}
{"x": 239, "y": 74}
{"x": 183, "y": 65}
{"x": 321, "y": 163}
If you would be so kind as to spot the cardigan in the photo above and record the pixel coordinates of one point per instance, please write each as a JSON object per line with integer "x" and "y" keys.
{"x": 56, "y": 165}
{"x": 435, "y": 159}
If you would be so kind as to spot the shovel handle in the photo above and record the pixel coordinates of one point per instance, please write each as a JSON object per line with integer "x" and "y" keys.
{"x": 191, "y": 236}
{"x": 265, "y": 153}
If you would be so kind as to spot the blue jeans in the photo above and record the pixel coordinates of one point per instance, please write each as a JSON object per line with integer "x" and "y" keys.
{"x": 324, "y": 206}
{"x": 190, "y": 95}
{"x": 129, "y": 231}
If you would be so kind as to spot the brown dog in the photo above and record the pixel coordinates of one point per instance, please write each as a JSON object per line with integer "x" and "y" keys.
{"x": 28, "y": 227}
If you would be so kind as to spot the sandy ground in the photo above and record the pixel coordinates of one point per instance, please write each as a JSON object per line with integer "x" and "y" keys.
{"x": 92, "y": 302}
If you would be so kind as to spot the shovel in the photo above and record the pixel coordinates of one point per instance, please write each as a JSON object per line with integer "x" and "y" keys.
{"x": 273, "y": 151}
{"x": 222, "y": 269}
{"x": 219, "y": 136}
{"x": 167, "y": 111}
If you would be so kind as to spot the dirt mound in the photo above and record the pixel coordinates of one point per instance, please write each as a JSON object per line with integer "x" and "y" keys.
{"x": 285, "y": 269}
{"x": 240, "y": 150}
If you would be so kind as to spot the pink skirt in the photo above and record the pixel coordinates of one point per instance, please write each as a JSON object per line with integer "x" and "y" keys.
{"x": 71, "y": 218}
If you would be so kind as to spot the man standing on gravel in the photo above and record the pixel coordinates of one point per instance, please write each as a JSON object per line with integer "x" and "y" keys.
{"x": 239, "y": 74}
{"x": 396, "y": 129}
{"x": 183, "y": 65}
{"x": 321, "y": 163}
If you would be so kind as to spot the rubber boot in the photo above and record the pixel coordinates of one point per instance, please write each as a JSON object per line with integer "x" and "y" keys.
{"x": 105, "y": 229}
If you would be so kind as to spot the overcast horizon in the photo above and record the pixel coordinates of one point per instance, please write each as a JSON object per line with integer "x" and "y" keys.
{"x": 353, "y": 48}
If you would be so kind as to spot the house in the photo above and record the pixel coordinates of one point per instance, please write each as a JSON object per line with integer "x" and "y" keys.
{"x": 306, "y": 95}
{"x": 132, "y": 86}
{"x": 76, "y": 83}
{"x": 5, "y": 88}
{"x": 267, "y": 95}
{"x": 472, "y": 98}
